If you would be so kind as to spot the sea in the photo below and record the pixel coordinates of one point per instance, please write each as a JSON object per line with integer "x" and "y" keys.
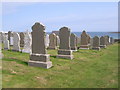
{"x": 92, "y": 34}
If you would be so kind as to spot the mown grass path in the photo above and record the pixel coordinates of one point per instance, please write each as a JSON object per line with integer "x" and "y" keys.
{"x": 89, "y": 69}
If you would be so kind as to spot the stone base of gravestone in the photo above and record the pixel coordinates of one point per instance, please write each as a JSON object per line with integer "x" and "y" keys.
{"x": 40, "y": 60}
{"x": 96, "y": 48}
{"x": 16, "y": 50}
{"x": 67, "y": 54}
{"x": 102, "y": 46}
{"x": 84, "y": 47}
{"x": 6, "y": 48}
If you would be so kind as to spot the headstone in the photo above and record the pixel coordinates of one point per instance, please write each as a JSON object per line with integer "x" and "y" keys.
{"x": 96, "y": 43}
{"x": 22, "y": 39}
{"x": 16, "y": 42}
{"x": 2, "y": 36}
{"x": 53, "y": 40}
{"x": 11, "y": 41}
{"x": 107, "y": 39}
{"x": 89, "y": 38}
{"x": 73, "y": 42}
{"x": 111, "y": 40}
{"x": 6, "y": 43}
{"x": 39, "y": 56}
{"x": 102, "y": 42}
{"x": 84, "y": 41}
{"x": 9, "y": 35}
{"x": 47, "y": 41}
{"x": 64, "y": 49}
{"x": 77, "y": 41}
{"x": 27, "y": 43}
{"x": 57, "y": 40}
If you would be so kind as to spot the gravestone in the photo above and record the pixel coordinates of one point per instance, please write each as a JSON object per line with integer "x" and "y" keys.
{"x": 111, "y": 40}
{"x": 57, "y": 40}
{"x": 77, "y": 41}
{"x": 53, "y": 40}
{"x": 2, "y": 36}
{"x": 22, "y": 39}
{"x": 6, "y": 43}
{"x": 9, "y": 35}
{"x": 102, "y": 42}
{"x": 16, "y": 42}
{"x": 107, "y": 39}
{"x": 64, "y": 49}
{"x": 73, "y": 42}
{"x": 47, "y": 41}
{"x": 89, "y": 38}
{"x": 27, "y": 43}
{"x": 96, "y": 43}
{"x": 39, "y": 56}
{"x": 84, "y": 41}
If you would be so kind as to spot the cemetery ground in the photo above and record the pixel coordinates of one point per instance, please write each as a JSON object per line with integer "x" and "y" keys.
{"x": 89, "y": 69}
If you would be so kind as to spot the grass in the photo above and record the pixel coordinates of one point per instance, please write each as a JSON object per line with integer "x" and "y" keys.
{"x": 89, "y": 69}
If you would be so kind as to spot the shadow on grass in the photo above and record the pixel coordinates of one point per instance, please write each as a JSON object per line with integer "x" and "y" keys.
{"x": 16, "y": 60}
{"x": 54, "y": 56}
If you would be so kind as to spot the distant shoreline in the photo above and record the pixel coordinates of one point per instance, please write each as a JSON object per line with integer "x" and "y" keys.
{"x": 114, "y": 32}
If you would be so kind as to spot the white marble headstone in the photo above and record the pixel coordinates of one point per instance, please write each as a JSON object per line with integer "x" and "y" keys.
{"x": 27, "y": 43}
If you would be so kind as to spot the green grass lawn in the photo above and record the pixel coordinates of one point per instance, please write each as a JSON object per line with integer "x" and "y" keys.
{"x": 89, "y": 69}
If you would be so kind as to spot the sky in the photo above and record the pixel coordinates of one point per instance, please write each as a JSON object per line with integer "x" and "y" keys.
{"x": 78, "y": 16}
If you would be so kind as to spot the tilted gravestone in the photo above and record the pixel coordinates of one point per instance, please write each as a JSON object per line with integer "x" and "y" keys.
{"x": 6, "y": 43}
{"x": 102, "y": 42}
{"x": 22, "y": 39}
{"x": 39, "y": 56}
{"x": 73, "y": 42}
{"x": 96, "y": 43}
{"x": 111, "y": 40}
{"x": 64, "y": 49}
{"x": 84, "y": 41}
{"x": 27, "y": 43}
{"x": 53, "y": 40}
{"x": 16, "y": 42}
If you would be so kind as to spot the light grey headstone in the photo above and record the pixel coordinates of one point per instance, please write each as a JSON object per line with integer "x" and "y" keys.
{"x": 96, "y": 43}
{"x": 6, "y": 43}
{"x": 73, "y": 42}
{"x": 111, "y": 40}
{"x": 84, "y": 41}
{"x": 11, "y": 41}
{"x": 53, "y": 40}
{"x": 39, "y": 56}
{"x": 27, "y": 43}
{"x": 64, "y": 49}
{"x": 47, "y": 41}
{"x": 16, "y": 42}
{"x": 57, "y": 40}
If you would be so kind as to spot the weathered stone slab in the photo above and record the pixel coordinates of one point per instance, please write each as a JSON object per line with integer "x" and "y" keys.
{"x": 84, "y": 41}
{"x": 64, "y": 49}
{"x": 27, "y": 43}
{"x": 53, "y": 40}
{"x": 73, "y": 42}
{"x": 102, "y": 42}
{"x": 96, "y": 43}
{"x": 39, "y": 56}
{"x": 16, "y": 42}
